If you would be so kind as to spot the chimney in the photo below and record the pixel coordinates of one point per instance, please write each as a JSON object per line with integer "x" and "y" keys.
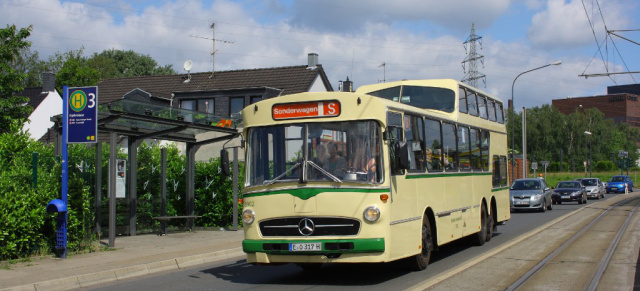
{"x": 313, "y": 61}
{"x": 48, "y": 82}
{"x": 345, "y": 86}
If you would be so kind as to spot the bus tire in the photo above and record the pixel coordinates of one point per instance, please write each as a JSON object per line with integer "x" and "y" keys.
{"x": 490, "y": 225}
{"x": 481, "y": 236}
{"x": 421, "y": 260}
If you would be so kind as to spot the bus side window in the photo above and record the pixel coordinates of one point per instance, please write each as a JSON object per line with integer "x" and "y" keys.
{"x": 482, "y": 106}
{"x": 464, "y": 148}
{"x": 450, "y": 148}
{"x": 474, "y": 138}
{"x": 499, "y": 112}
{"x": 473, "y": 103}
{"x": 496, "y": 172}
{"x": 394, "y": 128}
{"x": 503, "y": 171}
{"x": 414, "y": 135}
{"x": 462, "y": 100}
{"x": 484, "y": 149}
{"x": 492, "y": 109}
{"x": 434, "y": 145}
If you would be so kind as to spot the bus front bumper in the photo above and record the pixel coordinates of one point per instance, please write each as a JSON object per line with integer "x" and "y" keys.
{"x": 320, "y": 250}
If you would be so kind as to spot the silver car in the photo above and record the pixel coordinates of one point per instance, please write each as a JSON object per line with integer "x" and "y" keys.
{"x": 594, "y": 187}
{"x": 530, "y": 194}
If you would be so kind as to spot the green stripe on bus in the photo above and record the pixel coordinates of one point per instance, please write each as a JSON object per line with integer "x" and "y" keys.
{"x": 306, "y": 193}
{"x": 499, "y": 189}
{"x": 460, "y": 174}
{"x": 369, "y": 245}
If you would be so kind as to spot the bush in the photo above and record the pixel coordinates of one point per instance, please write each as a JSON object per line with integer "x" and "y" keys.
{"x": 26, "y": 228}
{"x": 604, "y": 166}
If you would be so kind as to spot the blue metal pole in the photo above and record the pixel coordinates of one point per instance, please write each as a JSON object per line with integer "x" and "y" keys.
{"x": 62, "y": 229}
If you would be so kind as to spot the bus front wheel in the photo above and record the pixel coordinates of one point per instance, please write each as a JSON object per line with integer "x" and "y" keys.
{"x": 421, "y": 260}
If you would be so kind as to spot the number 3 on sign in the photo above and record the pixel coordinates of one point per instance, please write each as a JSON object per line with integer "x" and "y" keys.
{"x": 92, "y": 100}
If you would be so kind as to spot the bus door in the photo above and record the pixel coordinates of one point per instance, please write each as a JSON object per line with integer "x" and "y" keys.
{"x": 404, "y": 217}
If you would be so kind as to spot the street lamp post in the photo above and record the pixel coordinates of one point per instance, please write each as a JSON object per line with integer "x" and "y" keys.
{"x": 524, "y": 164}
{"x": 588, "y": 133}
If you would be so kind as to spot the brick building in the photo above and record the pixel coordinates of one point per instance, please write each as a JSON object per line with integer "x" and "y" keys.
{"x": 620, "y": 104}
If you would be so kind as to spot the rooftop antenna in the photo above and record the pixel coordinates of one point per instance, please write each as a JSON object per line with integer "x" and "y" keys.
{"x": 384, "y": 72}
{"x": 213, "y": 46}
{"x": 188, "y": 64}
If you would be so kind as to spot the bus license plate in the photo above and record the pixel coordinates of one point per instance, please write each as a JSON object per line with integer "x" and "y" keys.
{"x": 305, "y": 247}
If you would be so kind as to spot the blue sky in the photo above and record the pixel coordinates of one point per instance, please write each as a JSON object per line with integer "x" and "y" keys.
{"x": 416, "y": 39}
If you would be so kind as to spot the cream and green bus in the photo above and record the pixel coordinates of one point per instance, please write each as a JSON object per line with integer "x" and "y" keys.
{"x": 392, "y": 171}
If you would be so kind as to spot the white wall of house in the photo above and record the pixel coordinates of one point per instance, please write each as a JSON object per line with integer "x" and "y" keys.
{"x": 40, "y": 117}
{"x": 317, "y": 85}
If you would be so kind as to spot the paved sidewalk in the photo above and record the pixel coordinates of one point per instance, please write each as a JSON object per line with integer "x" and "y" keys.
{"x": 133, "y": 256}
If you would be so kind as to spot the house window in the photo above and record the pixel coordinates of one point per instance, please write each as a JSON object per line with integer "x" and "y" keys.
{"x": 188, "y": 104}
{"x": 206, "y": 105}
{"x": 236, "y": 105}
{"x": 255, "y": 99}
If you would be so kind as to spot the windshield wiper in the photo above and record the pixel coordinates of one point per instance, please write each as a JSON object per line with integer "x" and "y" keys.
{"x": 284, "y": 174}
{"x": 323, "y": 171}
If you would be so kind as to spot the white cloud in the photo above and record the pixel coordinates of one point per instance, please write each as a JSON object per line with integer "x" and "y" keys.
{"x": 383, "y": 31}
{"x": 565, "y": 24}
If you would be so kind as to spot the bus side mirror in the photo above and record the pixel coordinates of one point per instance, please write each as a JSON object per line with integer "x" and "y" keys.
{"x": 224, "y": 162}
{"x": 404, "y": 155}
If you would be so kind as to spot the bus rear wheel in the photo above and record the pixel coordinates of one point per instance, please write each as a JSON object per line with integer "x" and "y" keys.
{"x": 481, "y": 237}
{"x": 421, "y": 260}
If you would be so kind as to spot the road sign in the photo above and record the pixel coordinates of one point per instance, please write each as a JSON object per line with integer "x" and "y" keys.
{"x": 534, "y": 166}
{"x": 545, "y": 163}
{"x": 82, "y": 116}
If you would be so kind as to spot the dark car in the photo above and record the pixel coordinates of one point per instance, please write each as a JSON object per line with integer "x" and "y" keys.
{"x": 531, "y": 194}
{"x": 567, "y": 191}
{"x": 617, "y": 184}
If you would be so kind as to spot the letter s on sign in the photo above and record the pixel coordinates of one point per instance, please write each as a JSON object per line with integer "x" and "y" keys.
{"x": 332, "y": 109}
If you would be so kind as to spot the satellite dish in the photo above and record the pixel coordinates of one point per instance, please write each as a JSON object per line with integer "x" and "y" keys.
{"x": 188, "y": 64}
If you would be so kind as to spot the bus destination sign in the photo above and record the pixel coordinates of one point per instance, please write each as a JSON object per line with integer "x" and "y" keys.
{"x": 306, "y": 110}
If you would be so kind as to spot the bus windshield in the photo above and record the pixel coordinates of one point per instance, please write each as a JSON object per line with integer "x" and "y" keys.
{"x": 336, "y": 152}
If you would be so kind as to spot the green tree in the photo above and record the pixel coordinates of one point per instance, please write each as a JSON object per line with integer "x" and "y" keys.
{"x": 76, "y": 72}
{"x": 13, "y": 108}
{"x": 118, "y": 63}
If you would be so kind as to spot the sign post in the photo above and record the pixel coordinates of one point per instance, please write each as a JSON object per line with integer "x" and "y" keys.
{"x": 79, "y": 125}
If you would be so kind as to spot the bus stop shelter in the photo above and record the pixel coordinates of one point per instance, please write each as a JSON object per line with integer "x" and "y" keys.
{"x": 139, "y": 121}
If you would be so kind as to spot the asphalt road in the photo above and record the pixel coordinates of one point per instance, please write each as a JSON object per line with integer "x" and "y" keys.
{"x": 236, "y": 274}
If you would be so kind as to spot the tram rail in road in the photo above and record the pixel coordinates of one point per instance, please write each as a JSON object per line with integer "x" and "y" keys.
{"x": 570, "y": 253}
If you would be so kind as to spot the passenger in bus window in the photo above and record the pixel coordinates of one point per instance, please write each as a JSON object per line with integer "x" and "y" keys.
{"x": 335, "y": 163}
{"x": 321, "y": 155}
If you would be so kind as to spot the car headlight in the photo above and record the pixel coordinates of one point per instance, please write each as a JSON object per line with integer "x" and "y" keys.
{"x": 594, "y": 190}
{"x": 248, "y": 216}
{"x": 537, "y": 196}
{"x": 576, "y": 193}
{"x": 371, "y": 214}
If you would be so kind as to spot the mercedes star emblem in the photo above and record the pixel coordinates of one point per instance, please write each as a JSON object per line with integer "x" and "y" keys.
{"x": 306, "y": 226}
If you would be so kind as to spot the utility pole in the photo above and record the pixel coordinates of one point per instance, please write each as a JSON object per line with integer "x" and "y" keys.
{"x": 472, "y": 76}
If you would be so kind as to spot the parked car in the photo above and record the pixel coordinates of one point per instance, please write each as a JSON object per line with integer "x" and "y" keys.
{"x": 567, "y": 191}
{"x": 594, "y": 187}
{"x": 617, "y": 184}
{"x": 530, "y": 194}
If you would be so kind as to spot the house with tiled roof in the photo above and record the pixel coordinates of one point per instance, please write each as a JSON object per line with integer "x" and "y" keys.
{"x": 46, "y": 102}
{"x": 222, "y": 93}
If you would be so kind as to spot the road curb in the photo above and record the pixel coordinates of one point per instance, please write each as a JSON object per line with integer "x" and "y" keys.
{"x": 86, "y": 280}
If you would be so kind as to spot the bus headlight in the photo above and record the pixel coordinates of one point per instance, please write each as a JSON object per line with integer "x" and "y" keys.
{"x": 371, "y": 214}
{"x": 248, "y": 216}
